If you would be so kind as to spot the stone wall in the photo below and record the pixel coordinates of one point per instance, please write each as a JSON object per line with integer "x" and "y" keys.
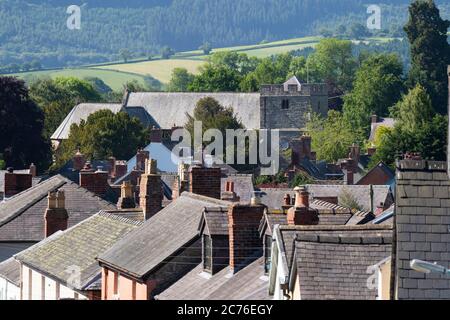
{"x": 422, "y": 228}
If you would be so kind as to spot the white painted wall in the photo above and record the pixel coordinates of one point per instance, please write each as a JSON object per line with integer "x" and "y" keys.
{"x": 51, "y": 287}
{"x": 8, "y": 290}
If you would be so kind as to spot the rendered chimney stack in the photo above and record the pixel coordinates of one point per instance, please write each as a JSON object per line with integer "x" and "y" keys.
{"x": 78, "y": 161}
{"x": 126, "y": 200}
{"x": 150, "y": 190}
{"x": 229, "y": 194}
{"x": 16, "y": 182}
{"x": 181, "y": 183}
{"x": 56, "y": 216}
{"x": 205, "y": 181}
{"x": 33, "y": 170}
{"x": 245, "y": 241}
{"x": 301, "y": 213}
{"x": 94, "y": 181}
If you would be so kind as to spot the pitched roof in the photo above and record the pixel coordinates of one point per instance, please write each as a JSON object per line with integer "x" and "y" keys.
{"x": 10, "y": 270}
{"x": 77, "y": 248}
{"x": 160, "y": 237}
{"x": 215, "y": 220}
{"x": 338, "y": 266}
{"x": 382, "y": 166}
{"x": 22, "y": 216}
{"x": 361, "y": 193}
{"x": 243, "y": 185}
{"x": 288, "y": 234}
{"x": 247, "y": 284}
{"x": 169, "y": 109}
{"x": 81, "y": 112}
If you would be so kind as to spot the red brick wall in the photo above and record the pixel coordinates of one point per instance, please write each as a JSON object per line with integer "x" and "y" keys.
{"x": 16, "y": 183}
{"x": 205, "y": 181}
{"x": 245, "y": 241}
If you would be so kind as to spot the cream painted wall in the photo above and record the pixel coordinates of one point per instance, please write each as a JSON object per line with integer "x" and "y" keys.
{"x": 50, "y": 287}
{"x": 8, "y": 291}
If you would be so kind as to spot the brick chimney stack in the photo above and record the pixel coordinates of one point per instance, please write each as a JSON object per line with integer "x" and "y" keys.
{"x": 141, "y": 156}
{"x": 56, "y": 216}
{"x": 33, "y": 170}
{"x": 205, "y": 181}
{"x": 229, "y": 194}
{"x": 374, "y": 118}
{"x": 94, "y": 181}
{"x": 245, "y": 242}
{"x": 126, "y": 200}
{"x": 150, "y": 190}
{"x": 301, "y": 213}
{"x": 301, "y": 149}
{"x": 355, "y": 153}
{"x": 78, "y": 161}
{"x": 16, "y": 182}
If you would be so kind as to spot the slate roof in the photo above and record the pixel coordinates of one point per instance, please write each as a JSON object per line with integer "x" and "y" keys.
{"x": 22, "y": 216}
{"x": 337, "y": 266}
{"x": 78, "y": 247}
{"x": 160, "y": 237}
{"x": 381, "y": 165}
{"x": 243, "y": 185}
{"x": 288, "y": 234}
{"x": 81, "y": 112}
{"x": 249, "y": 283}
{"x": 381, "y": 194}
{"x": 215, "y": 220}
{"x": 169, "y": 109}
{"x": 10, "y": 270}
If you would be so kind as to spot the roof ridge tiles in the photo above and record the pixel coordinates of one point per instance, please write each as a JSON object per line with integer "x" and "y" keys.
{"x": 334, "y": 227}
{"x": 118, "y": 217}
{"x": 340, "y": 239}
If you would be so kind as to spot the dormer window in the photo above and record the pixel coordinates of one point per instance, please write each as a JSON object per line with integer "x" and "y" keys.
{"x": 207, "y": 253}
{"x": 285, "y": 104}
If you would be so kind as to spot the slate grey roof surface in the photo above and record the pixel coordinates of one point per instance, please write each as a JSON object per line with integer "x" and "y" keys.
{"x": 215, "y": 220}
{"x": 169, "y": 109}
{"x": 337, "y": 267}
{"x": 360, "y": 193}
{"x": 161, "y": 236}
{"x": 247, "y": 284}
{"x": 243, "y": 185}
{"x": 78, "y": 247}
{"x": 289, "y": 234}
{"x": 81, "y": 112}
{"x": 22, "y": 216}
{"x": 10, "y": 270}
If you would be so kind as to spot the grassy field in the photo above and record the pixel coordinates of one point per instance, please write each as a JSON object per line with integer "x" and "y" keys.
{"x": 158, "y": 69}
{"x": 113, "y": 79}
{"x": 116, "y": 74}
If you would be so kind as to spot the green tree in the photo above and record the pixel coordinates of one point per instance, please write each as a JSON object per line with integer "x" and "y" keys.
{"x": 206, "y": 48}
{"x": 358, "y": 31}
{"x": 21, "y": 127}
{"x": 167, "y": 52}
{"x": 430, "y": 56}
{"x": 332, "y": 136}
{"x": 215, "y": 78}
{"x": 213, "y": 116}
{"x": 333, "y": 62}
{"x": 417, "y": 129}
{"x": 180, "y": 80}
{"x": 57, "y": 98}
{"x": 104, "y": 134}
{"x": 377, "y": 87}
{"x": 125, "y": 54}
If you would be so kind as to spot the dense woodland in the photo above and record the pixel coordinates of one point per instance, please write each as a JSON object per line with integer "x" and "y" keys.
{"x": 38, "y": 36}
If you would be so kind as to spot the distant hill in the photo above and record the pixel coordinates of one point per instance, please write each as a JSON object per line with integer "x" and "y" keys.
{"x": 35, "y": 30}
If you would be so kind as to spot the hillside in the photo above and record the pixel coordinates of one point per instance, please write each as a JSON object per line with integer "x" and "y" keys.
{"x": 40, "y": 34}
